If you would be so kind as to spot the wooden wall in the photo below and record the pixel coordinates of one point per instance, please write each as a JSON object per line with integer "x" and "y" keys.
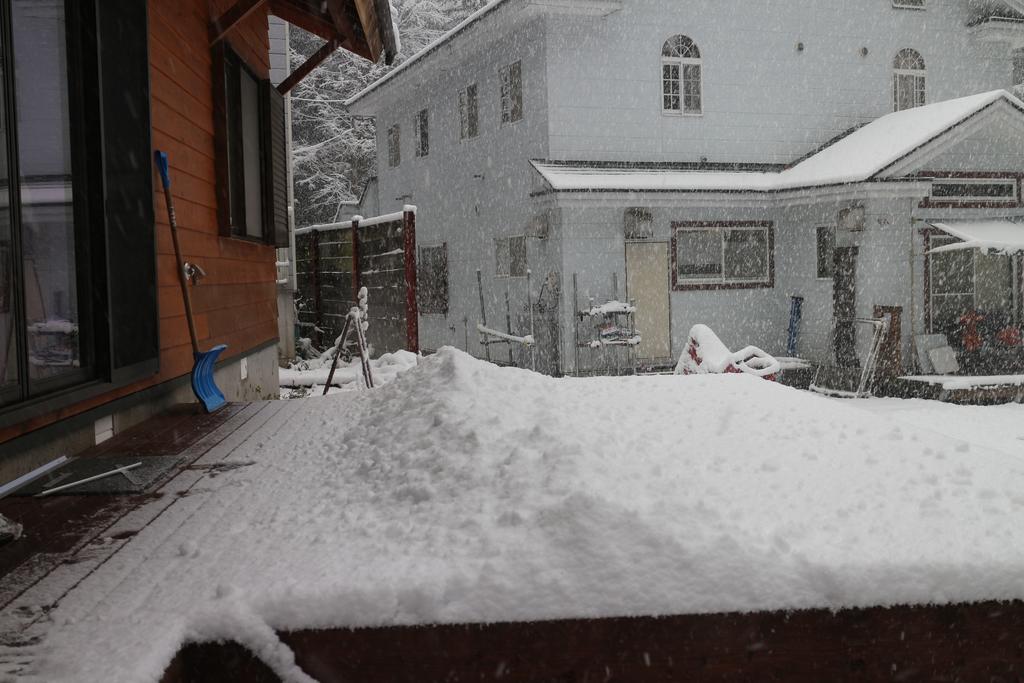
{"x": 236, "y": 303}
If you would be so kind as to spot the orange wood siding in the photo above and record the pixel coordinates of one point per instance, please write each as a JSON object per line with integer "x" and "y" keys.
{"x": 236, "y": 303}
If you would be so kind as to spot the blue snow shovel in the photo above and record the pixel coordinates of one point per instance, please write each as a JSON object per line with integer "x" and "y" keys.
{"x": 203, "y": 385}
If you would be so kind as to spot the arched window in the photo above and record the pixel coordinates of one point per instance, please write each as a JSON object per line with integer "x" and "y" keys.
{"x": 680, "y": 76}
{"x": 907, "y": 80}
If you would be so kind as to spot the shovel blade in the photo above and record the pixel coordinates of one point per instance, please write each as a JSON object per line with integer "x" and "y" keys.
{"x": 203, "y": 385}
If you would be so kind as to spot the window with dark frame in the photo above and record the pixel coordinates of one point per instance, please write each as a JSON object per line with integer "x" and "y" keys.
{"x": 825, "y": 252}
{"x": 78, "y": 309}
{"x": 422, "y": 131}
{"x": 251, "y": 159}
{"x": 966, "y": 280}
{"x": 511, "y": 77}
{"x": 510, "y": 256}
{"x": 975, "y": 190}
{"x": 432, "y": 279}
{"x": 468, "y": 113}
{"x": 681, "y": 79}
{"x": 722, "y": 256}
{"x": 394, "y": 145}
{"x": 908, "y": 80}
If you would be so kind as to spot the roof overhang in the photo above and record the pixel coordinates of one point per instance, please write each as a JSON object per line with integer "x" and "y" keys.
{"x": 1007, "y": 30}
{"x": 363, "y": 27}
{"x": 999, "y": 236}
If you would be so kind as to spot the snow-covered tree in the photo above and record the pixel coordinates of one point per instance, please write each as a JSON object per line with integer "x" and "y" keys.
{"x": 334, "y": 152}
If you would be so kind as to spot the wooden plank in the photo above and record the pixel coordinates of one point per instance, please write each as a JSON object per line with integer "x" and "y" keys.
{"x": 220, "y": 26}
{"x": 306, "y": 67}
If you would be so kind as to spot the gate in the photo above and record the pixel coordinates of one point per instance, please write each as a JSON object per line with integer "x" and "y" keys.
{"x": 333, "y": 261}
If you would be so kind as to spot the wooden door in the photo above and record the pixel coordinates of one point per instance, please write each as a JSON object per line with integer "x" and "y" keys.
{"x": 647, "y": 286}
{"x": 890, "y": 355}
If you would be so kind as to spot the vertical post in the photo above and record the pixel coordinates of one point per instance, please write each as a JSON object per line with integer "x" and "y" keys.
{"x": 314, "y": 238}
{"x": 483, "y": 314}
{"x": 529, "y": 305}
{"x": 575, "y": 328}
{"x": 508, "y": 323}
{"x": 355, "y": 260}
{"x": 412, "y": 311}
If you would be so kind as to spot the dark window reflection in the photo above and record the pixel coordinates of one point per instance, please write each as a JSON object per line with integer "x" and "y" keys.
{"x": 47, "y": 218}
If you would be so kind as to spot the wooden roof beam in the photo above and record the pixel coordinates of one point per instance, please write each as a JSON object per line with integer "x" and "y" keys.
{"x": 313, "y": 62}
{"x": 220, "y": 26}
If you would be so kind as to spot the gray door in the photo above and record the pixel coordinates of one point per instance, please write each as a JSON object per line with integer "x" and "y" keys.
{"x": 647, "y": 287}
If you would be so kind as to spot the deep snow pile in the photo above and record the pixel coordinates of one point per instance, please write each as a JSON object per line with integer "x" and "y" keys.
{"x": 463, "y": 492}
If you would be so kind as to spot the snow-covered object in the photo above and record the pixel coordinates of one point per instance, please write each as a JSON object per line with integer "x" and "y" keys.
{"x": 347, "y": 376}
{"x": 1004, "y": 237}
{"x": 527, "y": 340}
{"x": 464, "y": 492}
{"x": 611, "y": 308}
{"x": 705, "y": 354}
{"x": 957, "y": 382}
{"x": 863, "y": 155}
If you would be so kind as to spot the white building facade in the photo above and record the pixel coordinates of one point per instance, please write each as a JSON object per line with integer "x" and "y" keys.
{"x": 709, "y": 161}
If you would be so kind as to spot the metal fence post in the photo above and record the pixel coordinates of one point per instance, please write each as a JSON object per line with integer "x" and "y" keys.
{"x": 314, "y": 256}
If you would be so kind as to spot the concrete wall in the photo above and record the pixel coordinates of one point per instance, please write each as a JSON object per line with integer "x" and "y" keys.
{"x": 764, "y": 101}
{"x": 469, "y": 192}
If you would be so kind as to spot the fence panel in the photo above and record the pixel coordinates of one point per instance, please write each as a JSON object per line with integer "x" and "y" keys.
{"x": 383, "y": 253}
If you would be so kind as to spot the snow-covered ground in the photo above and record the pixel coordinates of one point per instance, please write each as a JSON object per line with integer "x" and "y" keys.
{"x": 308, "y": 377}
{"x": 464, "y": 492}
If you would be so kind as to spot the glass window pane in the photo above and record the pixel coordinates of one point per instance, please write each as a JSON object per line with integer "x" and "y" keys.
{"x": 952, "y": 272}
{"x": 947, "y": 311}
{"x": 251, "y": 155}
{"x": 746, "y": 255}
{"x": 8, "y": 347}
{"x": 699, "y": 254}
{"x": 994, "y": 287}
{"x": 44, "y": 156}
{"x": 826, "y": 251}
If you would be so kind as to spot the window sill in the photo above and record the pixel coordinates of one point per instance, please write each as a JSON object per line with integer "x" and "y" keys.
{"x": 707, "y": 286}
{"x": 682, "y": 115}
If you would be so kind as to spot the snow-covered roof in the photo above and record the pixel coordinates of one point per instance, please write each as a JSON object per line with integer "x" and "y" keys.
{"x": 989, "y": 235}
{"x": 864, "y": 155}
{"x": 429, "y": 49}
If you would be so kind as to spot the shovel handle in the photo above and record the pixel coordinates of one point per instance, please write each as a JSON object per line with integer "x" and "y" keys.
{"x": 161, "y": 164}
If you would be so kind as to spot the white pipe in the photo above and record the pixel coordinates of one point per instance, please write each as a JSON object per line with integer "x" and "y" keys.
{"x": 119, "y": 470}
{"x": 16, "y": 484}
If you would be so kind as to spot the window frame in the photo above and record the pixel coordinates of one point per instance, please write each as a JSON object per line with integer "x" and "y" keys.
{"x": 421, "y": 133}
{"x": 508, "y": 88}
{"x": 229, "y": 142}
{"x": 934, "y": 238}
{"x": 394, "y": 134}
{"x": 433, "y": 302}
{"x": 830, "y": 268}
{"x": 680, "y": 63}
{"x": 919, "y": 80}
{"x": 508, "y": 274}
{"x": 682, "y": 285}
{"x": 112, "y": 129}
{"x": 974, "y": 177}
{"x": 910, "y": 4}
{"x": 469, "y": 113}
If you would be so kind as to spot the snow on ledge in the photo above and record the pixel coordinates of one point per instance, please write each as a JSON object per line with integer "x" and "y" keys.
{"x": 861, "y": 156}
{"x": 957, "y": 382}
{"x": 463, "y": 492}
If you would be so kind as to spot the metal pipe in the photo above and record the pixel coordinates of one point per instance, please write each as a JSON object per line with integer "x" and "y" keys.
{"x": 104, "y": 475}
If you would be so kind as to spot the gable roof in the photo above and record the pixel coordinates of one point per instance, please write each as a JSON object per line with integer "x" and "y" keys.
{"x": 864, "y": 155}
{"x": 428, "y": 50}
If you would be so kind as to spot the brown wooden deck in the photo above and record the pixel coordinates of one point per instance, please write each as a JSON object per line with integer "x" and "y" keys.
{"x": 58, "y": 528}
